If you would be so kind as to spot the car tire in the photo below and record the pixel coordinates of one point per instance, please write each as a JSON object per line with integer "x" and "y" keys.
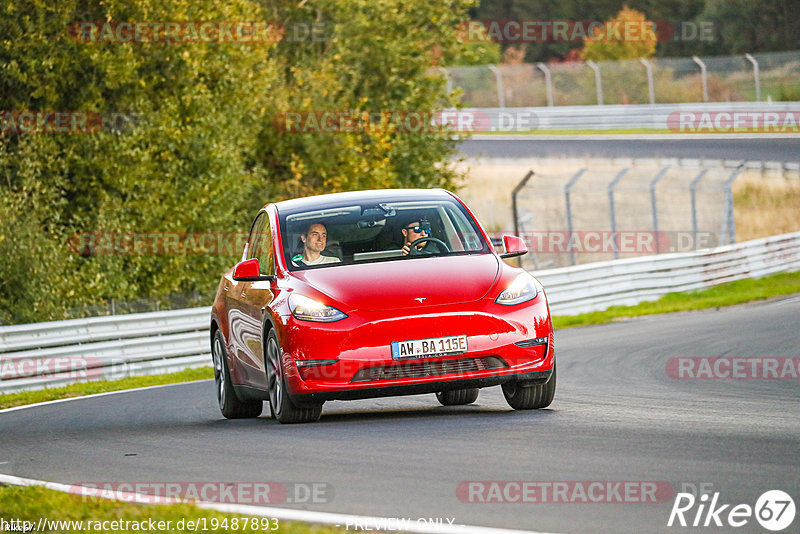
{"x": 531, "y": 397}
{"x": 457, "y": 397}
{"x": 281, "y": 404}
{"x": 229, "y": 404}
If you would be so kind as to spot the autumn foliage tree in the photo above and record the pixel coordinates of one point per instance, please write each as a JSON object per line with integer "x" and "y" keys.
{"x": 198, "y": 150}
{"x": 629, "y": 35}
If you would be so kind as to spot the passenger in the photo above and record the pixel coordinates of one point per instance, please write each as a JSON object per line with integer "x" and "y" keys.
{"x": 314, "y": 241}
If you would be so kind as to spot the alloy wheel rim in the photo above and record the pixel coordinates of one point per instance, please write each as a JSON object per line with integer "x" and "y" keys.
{"x": 219, "y": 371}
{"x": 275, "y": 378}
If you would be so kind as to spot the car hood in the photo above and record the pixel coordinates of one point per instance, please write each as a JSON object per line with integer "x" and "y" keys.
{"x": 401, "y": 283}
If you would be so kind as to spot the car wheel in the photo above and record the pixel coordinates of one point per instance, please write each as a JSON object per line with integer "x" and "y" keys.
{"x": 457, "y": 397}
{"x": 531, "y": 397}
{"x": 281, "y": 404}
{"x": 229, "y": 404}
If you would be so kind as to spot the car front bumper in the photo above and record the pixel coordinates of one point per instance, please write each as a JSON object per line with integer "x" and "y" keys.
{"x": 352, "y": 358}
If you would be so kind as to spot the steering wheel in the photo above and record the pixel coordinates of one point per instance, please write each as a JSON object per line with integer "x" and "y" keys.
{"x": 412, "y": 247}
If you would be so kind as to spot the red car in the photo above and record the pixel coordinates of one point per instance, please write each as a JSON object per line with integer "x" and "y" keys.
{"x": 376, "y": 293}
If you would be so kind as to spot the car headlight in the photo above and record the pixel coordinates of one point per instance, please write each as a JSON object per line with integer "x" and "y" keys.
{"x": 308, "y": 309}
{"x": 522, "y": 289}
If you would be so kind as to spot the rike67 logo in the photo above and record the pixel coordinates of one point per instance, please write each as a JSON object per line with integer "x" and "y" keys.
{"x": 774, "y": 510}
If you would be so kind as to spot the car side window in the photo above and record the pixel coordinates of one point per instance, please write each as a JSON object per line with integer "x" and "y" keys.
{"x": 260, "y": 244}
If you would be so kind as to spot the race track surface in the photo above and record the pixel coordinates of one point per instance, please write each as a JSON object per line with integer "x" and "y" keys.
{"x": 755, "y": 149}
{"x": 617, "y": 416}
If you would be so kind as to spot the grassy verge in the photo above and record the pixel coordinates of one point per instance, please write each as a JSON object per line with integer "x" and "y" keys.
{"x": 622, "y": 131}
{"x": 729, "y": 294}
{"x": 32, "y": 503}
{"x": 10, "y": 400}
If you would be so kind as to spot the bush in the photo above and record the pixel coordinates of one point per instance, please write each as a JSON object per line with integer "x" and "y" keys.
{"x": 200, "y": 153}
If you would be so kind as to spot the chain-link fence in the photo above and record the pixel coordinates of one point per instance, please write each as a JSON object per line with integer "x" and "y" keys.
{"x": 747, "y": 78}
{"x": 593, "y": 215}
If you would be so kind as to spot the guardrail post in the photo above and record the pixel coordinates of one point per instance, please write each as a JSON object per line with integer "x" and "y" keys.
{"x": 756, "y": 75}
{"x": 653, "y": 184}
{"x": 728, "y": 234}
{"x": 567, "y": 189}
{"x": 598, "y": 80}
{"x": 501, "y": 94}
{"x": 693, "y": 190}
{"x": 611, "y": 187}
{"x": 548, "y": 81}
{"x": 515, "y": 212}
{"x": 703, "y": 77}
{"x": 650, "y": 84}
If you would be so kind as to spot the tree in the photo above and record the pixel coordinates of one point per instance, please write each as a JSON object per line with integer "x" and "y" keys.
{"x": 198, "y": 150}
{"x": 629, "y": 35}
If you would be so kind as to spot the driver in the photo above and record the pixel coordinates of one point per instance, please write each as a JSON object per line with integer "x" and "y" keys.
{"x": 416, "y": 228}
{"x": 314, "y": 241}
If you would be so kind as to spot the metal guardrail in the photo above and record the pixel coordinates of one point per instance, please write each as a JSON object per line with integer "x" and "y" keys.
{"x": 40, "y": 355}
{"x": 596, "y": 286}
{"x": 613, "y": 117}
{"x": 52, "y": 354}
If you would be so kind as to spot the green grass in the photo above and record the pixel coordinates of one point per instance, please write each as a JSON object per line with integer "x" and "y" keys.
{"x": 32, "y": 503}
{"x": 631, "y": 131}
{"x": 729, "y": 294}
{"x": 10, "y": 400}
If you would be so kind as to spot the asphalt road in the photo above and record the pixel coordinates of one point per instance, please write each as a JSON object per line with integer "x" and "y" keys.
{"x": 763, "y": 149}
{"x": 617, "y": 416}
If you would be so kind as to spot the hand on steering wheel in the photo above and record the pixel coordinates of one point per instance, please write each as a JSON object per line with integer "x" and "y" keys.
{"x": 411, "y": 248}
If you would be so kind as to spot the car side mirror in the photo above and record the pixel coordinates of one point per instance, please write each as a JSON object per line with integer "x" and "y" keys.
{"x": 515, "y": 246}
{"x": 250, "y": 271}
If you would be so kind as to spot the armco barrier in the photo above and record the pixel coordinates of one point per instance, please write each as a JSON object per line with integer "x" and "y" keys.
{"x": 40, "y": 355}
{"x": 35, "y": 356}
{"x": 612, "y": 117}
{"x": 596, "y": 286}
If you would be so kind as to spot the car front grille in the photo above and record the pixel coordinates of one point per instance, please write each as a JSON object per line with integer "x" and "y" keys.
{"x": 422, "y": 369}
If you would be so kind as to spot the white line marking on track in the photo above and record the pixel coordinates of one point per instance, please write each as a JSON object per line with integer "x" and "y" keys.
{"x": 327, "y": 518}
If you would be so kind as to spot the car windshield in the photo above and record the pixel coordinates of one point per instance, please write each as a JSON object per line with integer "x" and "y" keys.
{"x": 361, "y": 233}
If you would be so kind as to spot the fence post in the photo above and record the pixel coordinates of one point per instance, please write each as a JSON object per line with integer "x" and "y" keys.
{"x": 515, "y": 211}
{"x": 598, "y": 80}
{"x": 501, "y": 94}
{"x": 653, "y": 184}
{"x": 611, "y": 187}
{"x": 650, "y": 85}
{"x": 548, "y": 80}
{"x": 693, "y": 190}
{"x": 756, "y": 75}
{"x": 728, "y": 220}
{"x": 567, "y": 189}
{"x": 703, "y": 77}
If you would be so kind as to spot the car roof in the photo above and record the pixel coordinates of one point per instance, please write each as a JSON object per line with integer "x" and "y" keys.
{"x": 358, "y": 197}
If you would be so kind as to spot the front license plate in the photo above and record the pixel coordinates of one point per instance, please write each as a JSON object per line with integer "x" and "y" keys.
{"x": 429, "y": 348}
